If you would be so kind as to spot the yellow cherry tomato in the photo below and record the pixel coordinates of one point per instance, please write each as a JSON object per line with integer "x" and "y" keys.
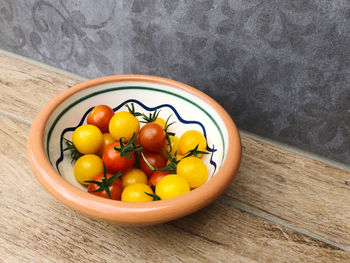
{"x": 190, "y": 139}
{"x": 87, "y": 167}
{"x": 174, "y": 142}
{"x": 123, "y": 124}
{"x": 171, "y": 185}
{"x": 134, "y": 176}
{"x": 136, "y": 193}
{"x": 107, "y": 140}
{"x": 193, "y": 170}
{"x": 160, "y": 121}
{"x": 87, "y": 139}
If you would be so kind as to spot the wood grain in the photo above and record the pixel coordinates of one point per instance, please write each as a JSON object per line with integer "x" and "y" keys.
{"x": 35, "y": 227}
{"x": 285, "y": 186}
{"x": 303, "y": 192}
{"x": 25, "y": 89}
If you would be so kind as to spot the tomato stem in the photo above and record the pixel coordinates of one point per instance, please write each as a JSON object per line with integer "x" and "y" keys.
{"x": 129, "y": 147}
{"x": 170, "y": 167}
{"x": 74, "y": 153}
{"x": 167, "y": 133}
{"x": 151, "y": 118}
{"x": 153, "y": 187}
{"x": 195, "y": 152}
{"x": 155, "y": 197}
{"x": 105, "y": 183}
{"x": 146, "y": 119}
{"x": 132, "y": 110}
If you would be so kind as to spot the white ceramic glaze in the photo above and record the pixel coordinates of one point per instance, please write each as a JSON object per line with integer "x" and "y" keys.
{"x": 186, "y": 110}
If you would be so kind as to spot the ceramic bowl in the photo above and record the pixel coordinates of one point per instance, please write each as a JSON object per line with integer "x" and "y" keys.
{"x": 188, "y": 107}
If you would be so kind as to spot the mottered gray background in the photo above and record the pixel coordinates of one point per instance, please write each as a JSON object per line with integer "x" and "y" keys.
{"x": 280, "y": 68}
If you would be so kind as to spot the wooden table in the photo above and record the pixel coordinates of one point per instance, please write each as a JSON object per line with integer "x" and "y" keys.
{"x": 282, "y": 206}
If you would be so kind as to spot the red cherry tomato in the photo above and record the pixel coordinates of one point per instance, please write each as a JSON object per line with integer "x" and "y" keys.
{"x": 156, "y": 176}
{"x": 116, "y": 188}
{"x": 155, "y": 159}
{"x": 100, "y": 117}
{"x": 152, "y": 137}
{"x": 114, "y": 162}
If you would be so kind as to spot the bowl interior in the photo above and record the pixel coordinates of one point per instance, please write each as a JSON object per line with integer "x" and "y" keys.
{"x": 187, "y": 110}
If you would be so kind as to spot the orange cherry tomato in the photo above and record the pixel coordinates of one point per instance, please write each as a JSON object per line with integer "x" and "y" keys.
{"x": 155, "y": 159}
{"x": 100, "y": 117}
{"x": 115, "y": 188}
{"x": 156, "y": 176}
{"x": 152, "y": 137}
{"x": 114, "y": 161}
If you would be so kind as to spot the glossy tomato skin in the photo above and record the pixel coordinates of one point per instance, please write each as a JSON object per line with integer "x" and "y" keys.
{"x": 194, "y": 171}
{"x": 172, "y": 185}
{"x": 134, "y": 176}
{"x": 160, "y": 121}
{"x": 87, "y": 167}
{"x": 114, "y": 162}
{"x": 116, "y": 188}
{"x": 173, "y": 147}
{"x": 152, "y": 137}
{"x": 156, "y": 176}
{"x": 107, "y": 140}
{"x": 155, "y": 159}
{"x": 123, "y": 125}
{"x": 87, "y": 139}
{"x": 100, "y": 117}
{"x": 137, "y": 193}
{"x": 189, "y": 140}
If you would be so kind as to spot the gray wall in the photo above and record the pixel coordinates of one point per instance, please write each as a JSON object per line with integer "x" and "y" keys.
{"x": 279, "y": 67}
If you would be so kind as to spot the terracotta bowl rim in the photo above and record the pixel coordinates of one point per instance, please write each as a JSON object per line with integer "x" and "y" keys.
{"x": 123, "y": 212}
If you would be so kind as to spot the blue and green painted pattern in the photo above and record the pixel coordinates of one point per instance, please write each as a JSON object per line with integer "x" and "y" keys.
{"x": 211, "y": 149}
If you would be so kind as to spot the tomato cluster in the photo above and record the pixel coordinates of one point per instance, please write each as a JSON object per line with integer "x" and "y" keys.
{"x": 123, "y": 158}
